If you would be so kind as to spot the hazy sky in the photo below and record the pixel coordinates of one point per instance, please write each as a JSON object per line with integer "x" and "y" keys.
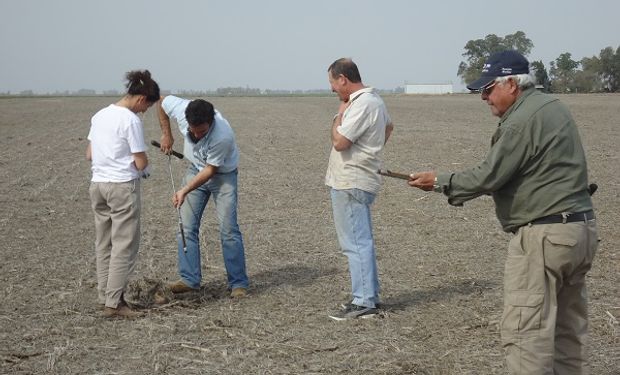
{"x": 62, "y": 45}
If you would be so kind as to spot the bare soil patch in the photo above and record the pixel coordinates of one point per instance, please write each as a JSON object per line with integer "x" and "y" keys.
{"x": 440, "y": 266}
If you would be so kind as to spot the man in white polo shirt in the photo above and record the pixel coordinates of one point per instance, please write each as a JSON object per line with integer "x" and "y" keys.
{"x": 359, "y": 131}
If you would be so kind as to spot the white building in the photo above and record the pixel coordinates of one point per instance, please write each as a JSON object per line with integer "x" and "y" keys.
{"x": 431, "y": 88}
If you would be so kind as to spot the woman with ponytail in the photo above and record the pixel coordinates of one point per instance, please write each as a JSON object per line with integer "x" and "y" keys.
{"x": 117, "y": 152}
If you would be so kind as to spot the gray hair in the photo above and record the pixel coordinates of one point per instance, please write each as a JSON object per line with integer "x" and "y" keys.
{"x": 524, "y": 81}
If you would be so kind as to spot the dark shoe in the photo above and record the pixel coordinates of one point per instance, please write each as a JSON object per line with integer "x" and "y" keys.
{"x": 121, "y": 311}
{"x": 353, "y": 312}
{"x": 238, "y": 293}
{"x": 180, "y": 287}
{"x": 345, "y": 306}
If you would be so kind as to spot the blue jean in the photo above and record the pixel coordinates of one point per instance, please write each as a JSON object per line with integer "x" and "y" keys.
{"x": 351, "y": 209}
{"x": 223, "y": 188}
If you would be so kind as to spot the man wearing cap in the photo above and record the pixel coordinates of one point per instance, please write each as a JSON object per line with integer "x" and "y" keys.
{"x": 537, "y": 175}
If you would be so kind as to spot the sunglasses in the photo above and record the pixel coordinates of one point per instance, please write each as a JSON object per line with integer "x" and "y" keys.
{"x": 488, "y": 89}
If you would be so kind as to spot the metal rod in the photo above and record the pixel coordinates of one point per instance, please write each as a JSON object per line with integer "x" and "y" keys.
{"x": 389, "y": 173}
{"x": 174, "y": 190}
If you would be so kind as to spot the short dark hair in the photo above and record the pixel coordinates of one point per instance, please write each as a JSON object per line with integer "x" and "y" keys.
{"x": 198, "y": 112}
{"x": 347, "y": 68}
{"x": 139, "y": 82}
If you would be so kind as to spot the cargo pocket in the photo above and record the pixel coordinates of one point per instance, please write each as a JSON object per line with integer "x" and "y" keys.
{"x": 569, "y": 239}
{"x": 522, "y": 313}
{"x": 566, "y": 253}
{"x": 524, "y": 284}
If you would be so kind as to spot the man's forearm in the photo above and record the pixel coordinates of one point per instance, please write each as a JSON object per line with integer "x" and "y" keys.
{"x": 388, "y": 131}
{"x": 339, "y": 141}
{"x": 164, "y": 120}
{"x": 335, "y": 124}
{"x": 164, "y": 124}
{"x": 200, "y": 179}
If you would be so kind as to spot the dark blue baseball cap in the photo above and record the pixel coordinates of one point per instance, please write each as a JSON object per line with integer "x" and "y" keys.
{"x": 500, "y": 64}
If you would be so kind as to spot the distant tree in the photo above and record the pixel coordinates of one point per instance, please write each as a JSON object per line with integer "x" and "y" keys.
{"x": 237, "y": 91}
{"x": 477, "y": 51}
{"x": 519, "y": 42}
{"x": 609, "y": 69}
{"x": 589, "y": 78}
{"x": 562, "y": 72}
{"x": 542, "y": 78}
{"x": 86, "y": 92}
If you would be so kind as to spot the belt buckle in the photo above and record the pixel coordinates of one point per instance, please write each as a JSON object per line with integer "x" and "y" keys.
{"x": 565, "y": 216}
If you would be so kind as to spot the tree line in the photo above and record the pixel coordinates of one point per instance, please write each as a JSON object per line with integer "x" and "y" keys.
{"x": 221, "y": 91}
{"x": 565, "y": 75}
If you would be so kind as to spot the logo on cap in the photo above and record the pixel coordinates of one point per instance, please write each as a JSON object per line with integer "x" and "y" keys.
{"x": 499, "y": 64}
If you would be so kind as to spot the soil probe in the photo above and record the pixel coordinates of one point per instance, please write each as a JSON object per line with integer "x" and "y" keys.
{"x": 174, "y": 190}
{"x": 177, "y": 154}
{"x": 387, "y": 172}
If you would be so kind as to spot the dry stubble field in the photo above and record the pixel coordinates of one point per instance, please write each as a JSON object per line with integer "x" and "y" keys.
{"x": 441, "y": 267}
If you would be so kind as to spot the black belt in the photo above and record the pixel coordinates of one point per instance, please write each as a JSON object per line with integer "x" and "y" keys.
{"x": 567, "y": 217}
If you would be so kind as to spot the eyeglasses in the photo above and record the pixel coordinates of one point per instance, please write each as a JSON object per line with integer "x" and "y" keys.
{"x": 487, "y": 90}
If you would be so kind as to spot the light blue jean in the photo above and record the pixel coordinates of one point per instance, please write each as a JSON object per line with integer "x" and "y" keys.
{"x": 223, "y": 188}
{"x": 351, "y": 209}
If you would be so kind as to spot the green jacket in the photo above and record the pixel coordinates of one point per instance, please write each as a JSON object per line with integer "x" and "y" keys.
{"x": 536, "y": 165}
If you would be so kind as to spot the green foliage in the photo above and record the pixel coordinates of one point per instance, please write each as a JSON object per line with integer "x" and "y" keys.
{"x": 588, "y": 79}
{"x": 597, "y": 74}
{"x": 542, "y": 78}
{"x": 477, "y": 51}
{"x": 563, "y": 71}
{"x": 609, "y": 69}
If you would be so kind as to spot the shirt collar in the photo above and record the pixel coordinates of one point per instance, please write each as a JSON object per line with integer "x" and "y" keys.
{"x": 359, "y": 92}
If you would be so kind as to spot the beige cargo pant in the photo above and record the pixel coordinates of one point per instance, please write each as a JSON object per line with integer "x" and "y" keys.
{"x": 117, "y": 236}
{"x": 545, "y": 319}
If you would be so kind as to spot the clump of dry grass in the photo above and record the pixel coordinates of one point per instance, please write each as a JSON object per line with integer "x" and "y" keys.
{"x": 147, "y": 292}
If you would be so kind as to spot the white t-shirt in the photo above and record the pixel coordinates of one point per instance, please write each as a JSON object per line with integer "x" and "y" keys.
{"x": 115, "y": 134}
{"x": 363, "y": 123}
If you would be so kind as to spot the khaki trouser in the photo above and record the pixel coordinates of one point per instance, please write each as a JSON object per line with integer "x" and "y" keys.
{"x": 545, "y": 320}
{"x": 117, "y": 236}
